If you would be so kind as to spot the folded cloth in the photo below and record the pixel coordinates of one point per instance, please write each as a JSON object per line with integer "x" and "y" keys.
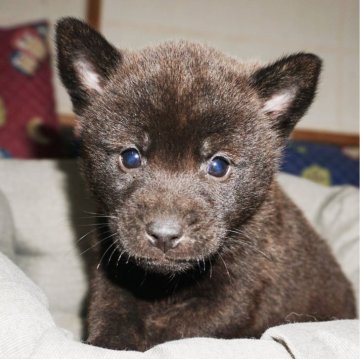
{"x": 329, "y": 340}
{"x": 27, "y": 330}
{"x": 7, "y": 231}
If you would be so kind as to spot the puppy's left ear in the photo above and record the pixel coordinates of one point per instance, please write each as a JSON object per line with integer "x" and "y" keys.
{"x": 287, "y": 88}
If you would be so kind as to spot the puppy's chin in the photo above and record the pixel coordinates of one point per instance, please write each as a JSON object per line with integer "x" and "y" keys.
{"x": 166, "y": 265}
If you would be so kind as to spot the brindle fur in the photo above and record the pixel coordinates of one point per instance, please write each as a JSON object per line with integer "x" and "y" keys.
{"x": 250, "y": 260}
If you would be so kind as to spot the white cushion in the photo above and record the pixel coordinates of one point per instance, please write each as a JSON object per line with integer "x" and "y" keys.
{"x": 6, "y": 228}
{"x": 41, "y": 217}
{"x": 48, "y": 204}
{"x": 27, "y": 330}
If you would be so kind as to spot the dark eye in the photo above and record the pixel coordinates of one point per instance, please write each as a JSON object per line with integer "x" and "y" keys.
{"x": 130, "y": 158}
{"x": 218, "y": 167}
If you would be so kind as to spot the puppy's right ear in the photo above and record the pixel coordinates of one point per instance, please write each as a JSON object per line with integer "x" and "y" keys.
{"x": 85, "y": 60}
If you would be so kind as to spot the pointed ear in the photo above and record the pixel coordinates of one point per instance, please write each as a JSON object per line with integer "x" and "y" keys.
{"x": 287, "y": 88}
{"x": 85, "y": 60}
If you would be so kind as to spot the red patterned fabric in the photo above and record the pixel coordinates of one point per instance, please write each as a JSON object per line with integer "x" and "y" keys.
{"x": 28, "y": 122}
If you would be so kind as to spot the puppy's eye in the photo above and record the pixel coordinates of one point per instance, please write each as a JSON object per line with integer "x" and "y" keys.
{"x": 218, "y": 167}
{"x": 130, "y": 158}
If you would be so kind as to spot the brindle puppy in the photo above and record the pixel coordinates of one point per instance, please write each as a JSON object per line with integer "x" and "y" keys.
{"x": 180, "y": 145}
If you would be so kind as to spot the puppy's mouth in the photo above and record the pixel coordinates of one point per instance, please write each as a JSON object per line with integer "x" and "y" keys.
{"x": 175, "y": 260}
{"x": 167, "y": 264}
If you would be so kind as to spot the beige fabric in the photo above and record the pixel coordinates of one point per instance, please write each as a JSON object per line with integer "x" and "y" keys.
{"x": 28, "y": 331}
{"x": 41, "y": 217}
{"x": 48, "y": 203}
{"x": 6, "y": 227}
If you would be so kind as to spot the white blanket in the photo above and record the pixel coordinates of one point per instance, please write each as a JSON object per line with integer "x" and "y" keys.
{"x": 37, "y": 232}
{"x": 27, "y": 330}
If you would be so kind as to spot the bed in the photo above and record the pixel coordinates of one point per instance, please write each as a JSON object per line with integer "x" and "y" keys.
{"x": 43, "y": 281}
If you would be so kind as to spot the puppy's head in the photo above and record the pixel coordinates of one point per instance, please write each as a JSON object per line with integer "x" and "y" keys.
{"x": 179, "y": 142}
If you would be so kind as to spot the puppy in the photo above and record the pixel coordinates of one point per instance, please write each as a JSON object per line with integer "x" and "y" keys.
{"x": 180, "y": 147}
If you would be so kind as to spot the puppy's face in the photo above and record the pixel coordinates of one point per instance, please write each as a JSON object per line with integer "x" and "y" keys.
{"x": 170, "y": 152}
{"x": 179, "y": 142}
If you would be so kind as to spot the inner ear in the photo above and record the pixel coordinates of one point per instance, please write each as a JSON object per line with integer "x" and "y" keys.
{"x": 279, "y": 103}
{"x": 88, "y": 76}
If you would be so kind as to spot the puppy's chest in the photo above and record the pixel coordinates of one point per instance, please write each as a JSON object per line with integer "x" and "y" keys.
{"x": 161, "y": 319}
{"x": 164, "y": 314}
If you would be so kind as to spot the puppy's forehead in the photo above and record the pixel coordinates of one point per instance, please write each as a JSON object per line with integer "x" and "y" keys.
{"x": 182, "y": 88}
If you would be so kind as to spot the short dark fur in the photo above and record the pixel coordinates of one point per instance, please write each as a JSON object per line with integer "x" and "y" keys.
{"x": 249, "y": 259}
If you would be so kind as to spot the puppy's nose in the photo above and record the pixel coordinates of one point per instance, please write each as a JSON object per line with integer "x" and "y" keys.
{"x": 164, "y": 233}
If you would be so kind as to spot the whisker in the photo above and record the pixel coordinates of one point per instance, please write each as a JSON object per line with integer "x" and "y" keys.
{"x": 92, "y": 224}
{"x": 119, "y": 258}
{"x": 112, "y": 253}
{"x": 85, "y": 235}
{"x": 256, "y": 250}
{"x": 226, "y": 268}
{"x": 171, "y": 277}
{"x": 111, "y": 245}
{"x": 97, "y": 243}
{"x": 98, "y": 214}
{"x": 250, "y": 245}
{"x": 210, "y": 267}
{"x": 104, "y": 216}
{"x": 198, "y": 264}
{"x": 204, "y": 264}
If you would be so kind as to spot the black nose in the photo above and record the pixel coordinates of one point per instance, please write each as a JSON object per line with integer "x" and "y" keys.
{"x": 164, "y": 233}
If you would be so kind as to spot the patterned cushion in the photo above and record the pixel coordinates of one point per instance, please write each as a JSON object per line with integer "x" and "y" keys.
{"x": 28, "y": 123}
{"x": 325, "y": 164}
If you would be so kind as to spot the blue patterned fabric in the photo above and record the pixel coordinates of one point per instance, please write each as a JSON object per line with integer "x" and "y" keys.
{"x": 325, "y": 164}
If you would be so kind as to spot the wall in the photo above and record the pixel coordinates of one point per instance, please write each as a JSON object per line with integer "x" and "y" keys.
{"x": 260, "y": 29}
